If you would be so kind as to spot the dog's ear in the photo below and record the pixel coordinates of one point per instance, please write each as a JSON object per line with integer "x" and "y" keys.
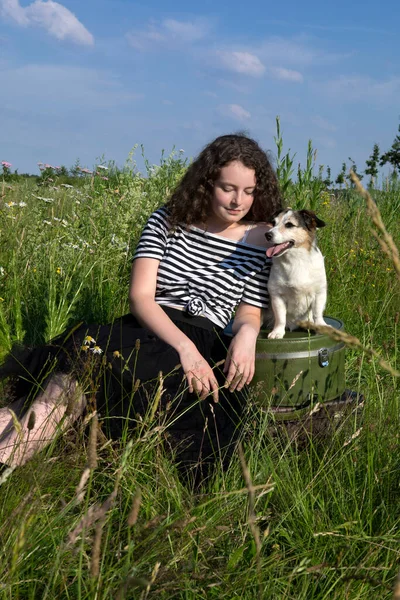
{"x": 311, "y": 220}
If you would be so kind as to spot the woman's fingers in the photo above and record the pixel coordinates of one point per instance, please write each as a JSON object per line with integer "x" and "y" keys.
{"x": 203, "y": 385}
{"x": 238, "y": 376}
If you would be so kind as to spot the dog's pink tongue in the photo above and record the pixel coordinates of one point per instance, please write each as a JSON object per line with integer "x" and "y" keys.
{"x": 274, "y": 250}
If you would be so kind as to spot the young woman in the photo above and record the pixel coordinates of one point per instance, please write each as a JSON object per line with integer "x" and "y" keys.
{"x": 200, "y": 258}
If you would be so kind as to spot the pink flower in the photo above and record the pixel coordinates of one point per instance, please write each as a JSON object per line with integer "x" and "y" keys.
{"x": 6, "y": 164}
{"x": 86, "y": 171}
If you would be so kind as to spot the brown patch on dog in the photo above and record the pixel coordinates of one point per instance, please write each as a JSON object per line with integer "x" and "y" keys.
{"x": 310, "y": 219}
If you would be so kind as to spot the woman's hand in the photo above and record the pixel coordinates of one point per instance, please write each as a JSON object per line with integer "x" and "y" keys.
{"x": 199, "y": 374}
{"x": 240, "y": 362}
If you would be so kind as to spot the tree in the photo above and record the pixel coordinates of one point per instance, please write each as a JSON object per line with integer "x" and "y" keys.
{"x": 328, "y": 181}
{"x": 354, "y": 169}
{"x": 372, "y": 165}
{"x": 341, "y": 178}
{"x": 63, "y": 171}
{"x": 75, "y": 170}
{"x": 392, "y": 156}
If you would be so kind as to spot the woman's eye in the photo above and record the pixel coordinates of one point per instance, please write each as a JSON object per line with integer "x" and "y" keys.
{"x": 289, "y": 225}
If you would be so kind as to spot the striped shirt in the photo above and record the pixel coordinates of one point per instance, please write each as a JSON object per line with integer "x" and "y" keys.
{"x": 203, "y": 273}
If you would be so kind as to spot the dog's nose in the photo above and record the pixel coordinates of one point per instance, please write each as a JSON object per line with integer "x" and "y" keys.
{"x": 268, "y": 236}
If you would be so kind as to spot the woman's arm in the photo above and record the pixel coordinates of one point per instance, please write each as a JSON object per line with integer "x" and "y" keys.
{"x": 240, "y": 361}
{"x": 143, "y": 306}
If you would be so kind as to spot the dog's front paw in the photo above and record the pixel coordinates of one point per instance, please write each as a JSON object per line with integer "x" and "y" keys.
{"x": 321, "y": 322}
{"x": 277, "y": 333}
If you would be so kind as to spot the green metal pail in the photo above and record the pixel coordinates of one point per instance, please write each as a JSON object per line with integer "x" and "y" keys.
{"x": 302, "y": 368}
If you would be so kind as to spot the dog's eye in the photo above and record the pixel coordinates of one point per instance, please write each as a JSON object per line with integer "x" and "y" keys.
{"x": 289, "y": 225}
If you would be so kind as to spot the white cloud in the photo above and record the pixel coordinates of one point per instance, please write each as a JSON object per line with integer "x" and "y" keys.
{"x": 236, "y": 111}
{"x": 58, "y": 90}
{"x": 286, "y": 74}
{"x": 241, "y": 62}
{"x": 52, "y": 16}
{"x": 12, "y": 9}
{"x": 295, "y": 52}
{"x": 322, "y": 123}
{"x": 168, "y": 32}
{"x": 186, "y": 31}
{"x": 360, "y": 88}
{"x": 325, "y": 142}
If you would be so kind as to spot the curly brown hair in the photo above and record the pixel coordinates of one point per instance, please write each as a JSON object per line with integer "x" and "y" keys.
{"x": 191, "y": 201}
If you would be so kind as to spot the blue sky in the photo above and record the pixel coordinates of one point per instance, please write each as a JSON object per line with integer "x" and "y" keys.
{"x": 86, "y": 79}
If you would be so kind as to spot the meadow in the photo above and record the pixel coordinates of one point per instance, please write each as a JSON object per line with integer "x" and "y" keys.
{"x": 89, "y": 518}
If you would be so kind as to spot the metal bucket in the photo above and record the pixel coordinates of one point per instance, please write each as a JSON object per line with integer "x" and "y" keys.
{"x": 302, "y": 368}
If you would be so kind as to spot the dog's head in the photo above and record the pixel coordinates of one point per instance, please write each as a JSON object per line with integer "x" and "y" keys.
{"x": 292, "y": 229}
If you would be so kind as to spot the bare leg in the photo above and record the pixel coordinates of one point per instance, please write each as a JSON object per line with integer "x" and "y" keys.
{"x": 52, "y": 411}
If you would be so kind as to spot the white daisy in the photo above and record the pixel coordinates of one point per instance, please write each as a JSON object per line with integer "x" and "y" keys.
{"x": 96, "y": 350}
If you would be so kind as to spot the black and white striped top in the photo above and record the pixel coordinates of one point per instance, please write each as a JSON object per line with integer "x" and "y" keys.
{"x": 203, "y": 273}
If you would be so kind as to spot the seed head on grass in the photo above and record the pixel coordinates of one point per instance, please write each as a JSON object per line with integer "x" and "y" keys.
{"x": 349, "y": 340}
{"x": 386, "y": 242}
{"x": 134, "y": 512}
{"x": 92, "y": 445}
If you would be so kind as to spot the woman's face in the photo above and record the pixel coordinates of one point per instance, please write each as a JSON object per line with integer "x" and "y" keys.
{"x": 233, "y": 194}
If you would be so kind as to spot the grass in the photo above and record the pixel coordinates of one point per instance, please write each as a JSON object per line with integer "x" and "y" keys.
{"x": 94, "y": 519}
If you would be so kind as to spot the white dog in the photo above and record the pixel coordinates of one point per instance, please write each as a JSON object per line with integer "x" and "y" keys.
{"x": 297, "y": 283}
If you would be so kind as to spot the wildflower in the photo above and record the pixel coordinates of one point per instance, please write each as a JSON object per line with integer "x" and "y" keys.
{"x": 34, "y": 269}
{"x": 10, "y": 204}
{"x": 6, "y": 164}
{"x": 22, "y": 204}
{"x": 86, "y": 171}
{"x": 96, "y": 350}
{"x": 85, "y": 348}
{"x": 117, "y": 354}
{"x": 67, "y": 185}
{"x": 46, "y": 222}
{"x": 47, "y": 200}
{"x": 104, "y": 178}
{"x": 58, "y": 270}
{"x": 181, "y": 151}
{"x": 89, "y": 340}
{"x": 56, "y": 219}
{"x": 102, "y": 167}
